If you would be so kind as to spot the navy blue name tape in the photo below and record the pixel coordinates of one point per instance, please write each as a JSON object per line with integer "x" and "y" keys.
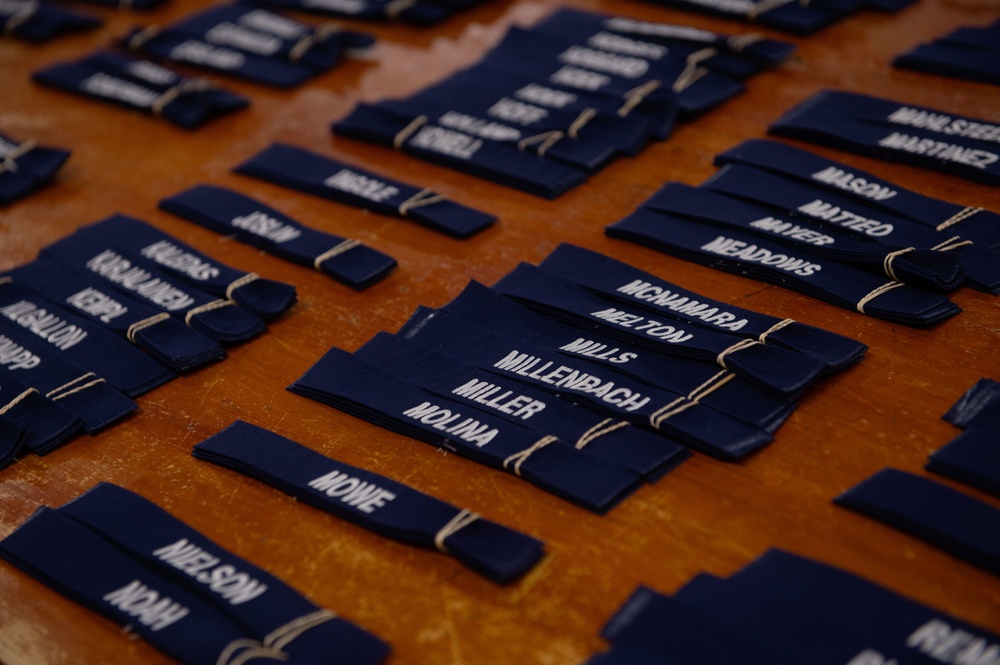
{"x": 82, "y": 392}
{"x": 620, "y": 281}
{"x": 417, "y": 12}
{"x": 322, "y": 176}
{"x": 929, "y": 269}
{"x": 142, "y": 85}
{"x": 138, "y": 5}
{"x": 972, "y": 458}
{"x": 91, "y": 347}
{"x": 492, "y": 108}
{"x": 558, "y": 59}
{"x": 788, "y": 15}
{"x": 500, "y": 163}
{"x": 608, "y": 438}
{"x": 12, "y": 436}
{"x": 263, "y": 297}
{"x": 772, "y": 368}
{"x": 979, "y": 407}
{"x": 746, "y": 46}
{"x": 559, "y": 142}
{"x": 911, "y": 134}
{"x": 802, "y": 200}
{"x": 274, "y": 614}
{"x": 583, "y": 380}
{"x": 772, "y": 262}
{"x": 917, "y": 632}
{"x": 47, "y": 425}
{"x": 219, "y": 318}
{"x": 249, "y": 43}
{"x": 38, "y": 22}
{"x": 650, "y": 110}
{"x": 81, "y": 565}
{"x": 977, "y": 224}
{"x": 26, "y": 166}
{"x": 956, "y": 58}
{"x": 373, "y": 502}
{"x": 230, "y": 213}
{"x": 677, "y": 632}
{"x": 164, "y": 337}
{"x": 349, "y": 384}
{"x": 791, "y": 628}
{"x": 955, "y": 522}
{"x": 702, "y": 383}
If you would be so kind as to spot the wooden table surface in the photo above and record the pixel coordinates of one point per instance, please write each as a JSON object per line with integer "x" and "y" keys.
{"x": 705, "y": 516}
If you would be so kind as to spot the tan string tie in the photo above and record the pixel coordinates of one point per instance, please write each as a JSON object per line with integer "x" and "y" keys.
{"x": 422, "y": 198}
{"x": 339, "y": 248}
{"x": 278, "y": 638}
{"x": 742, "y": 344}
{"x": 546, "y": 139}
{"x": 14, "y": 21}
{"x": 635, "y": 96}
{"x": 775, "y": 328}
{"x": 406, "y": 132}
{"x": 17, "y": 400}
{"x": 240, "y": 283}
{"x": 606, "y": 426}
{"x": 207, "y": 307}
{"x": 875, "y": 293}
{"x": 519, "y": 458}
{"x": 888, "y": 260}
{"x": 463, "y": 519}
{"x": 184, "y": 87}
{"x": 960, "y": 216}
{"x": 8, "y": 162}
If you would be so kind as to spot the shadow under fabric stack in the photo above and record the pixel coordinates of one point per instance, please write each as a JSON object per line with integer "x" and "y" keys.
{"x": 552, "y": 104}
{"x": 584, "y": 376}
{"x": 109, "y": 313}
{"x": 787, "y": 216}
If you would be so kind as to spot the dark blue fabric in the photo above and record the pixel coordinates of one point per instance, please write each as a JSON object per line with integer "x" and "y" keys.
{"x": 168, "y": 340}
{"x": 46, "y": 423}
{"x": 978, "y": 407}
{"x": 135, "y": 275}
{"x": 421, "y": 12}
{"x": 551, "y": 56}
{"x": 91, "y": 347}
{"x": 802, "y": 199}
{"x": 499, "y": 163}
{"x": 76, "y": 562}
{"x": 12, "y": 440}
{"x": 26, "y": 167}
{"x": 793, "y": 16}
{"x": 772, "y": 368}
{"x": 982, "y": 226}
{"x": 250, "y": 43}
{"x": 771, "y": 262}
{"x": 755, "y": 51}
{"x": 371, "y": 501}
{"x": 83, "y": 393}
{"x": 848, "y": 122}
{"x": 620, "y": 281}
{"x": 265, "y": 298}
{"x": 823, "y": 589}
{"x": 138, "y": 5}
{"x": 612, "y": 440}
{"x": 142, "y": 85}
{"x": 315, "y": 174}
{"x": 260, "y": 602}
{"x": 678, "y": 375}
{"x": 952, "y": 60}
{"x": 583, "y": 380}
{"x": 957, "y": 523}
{"x": 352, "y": 385}
{"x": 658, "y": 624}
{"x": 929, "y": 269}
{"x": 39, "y": 21}
{"x": 972, "y": 457}
{"x": 232, "y": 214}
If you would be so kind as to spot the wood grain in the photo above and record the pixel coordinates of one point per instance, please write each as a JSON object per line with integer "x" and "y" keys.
{"x": 705, "y": 516}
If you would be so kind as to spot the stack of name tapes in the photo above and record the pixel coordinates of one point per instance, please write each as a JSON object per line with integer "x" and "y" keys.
{"x": 790, "y": 217}
{"x": 552, "y": 104}
{"x": 784, "y": 609}
{"x": 584, "y": 376}
{"x": 967, "y": 52}
{"x": 414, "y": 12}
{"x": 794, "y": 16}
{"x": 109, "y": 313}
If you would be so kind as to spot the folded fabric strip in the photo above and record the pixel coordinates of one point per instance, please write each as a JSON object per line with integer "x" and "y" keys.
{"x": 373, "y": 502}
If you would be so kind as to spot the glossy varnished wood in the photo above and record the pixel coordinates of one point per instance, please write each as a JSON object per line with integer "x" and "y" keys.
{"x": 706, "y": 516}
